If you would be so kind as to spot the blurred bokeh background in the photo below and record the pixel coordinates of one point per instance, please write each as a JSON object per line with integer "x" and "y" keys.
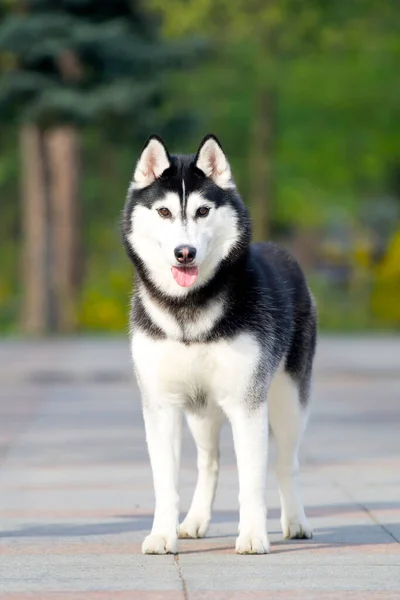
{"x": 303, "y": 94}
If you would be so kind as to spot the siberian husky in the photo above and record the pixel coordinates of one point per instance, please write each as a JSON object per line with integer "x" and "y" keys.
{"x": 220, "y": 328}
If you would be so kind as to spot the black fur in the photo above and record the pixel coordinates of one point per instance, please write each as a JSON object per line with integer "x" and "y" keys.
{"x": 263, "y": 287}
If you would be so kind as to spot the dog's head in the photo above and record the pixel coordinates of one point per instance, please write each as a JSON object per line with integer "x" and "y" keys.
{"x": 183, "y": 218}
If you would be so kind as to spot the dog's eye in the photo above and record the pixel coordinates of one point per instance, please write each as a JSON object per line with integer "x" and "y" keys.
{"x": 165, "y": 213}
{"x": 202, "y": 211}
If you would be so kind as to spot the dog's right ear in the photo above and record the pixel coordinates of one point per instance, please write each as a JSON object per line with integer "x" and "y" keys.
{"x": 152, "y": 163}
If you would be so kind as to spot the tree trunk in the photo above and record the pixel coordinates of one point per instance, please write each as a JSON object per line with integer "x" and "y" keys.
{"x": 62, "y": 150}
{"x": 35, "y": 304}
{"x": 49, "y": 216}
{"x": 261, "y": 163}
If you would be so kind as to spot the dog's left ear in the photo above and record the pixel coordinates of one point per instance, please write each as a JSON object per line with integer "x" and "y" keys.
{"x": 153, "y": 161}
{"x": 212, "y": 161}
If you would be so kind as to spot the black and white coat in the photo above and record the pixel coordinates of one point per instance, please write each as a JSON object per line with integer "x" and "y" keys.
{"x": 235, "y": 340}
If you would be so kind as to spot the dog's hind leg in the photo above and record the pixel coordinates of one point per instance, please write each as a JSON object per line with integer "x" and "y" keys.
{"x": 205, "y": 429}
{"x": 287, "y": 417}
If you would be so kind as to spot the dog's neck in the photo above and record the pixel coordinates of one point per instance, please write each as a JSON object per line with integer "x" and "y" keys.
{"x": 191, "y": 318}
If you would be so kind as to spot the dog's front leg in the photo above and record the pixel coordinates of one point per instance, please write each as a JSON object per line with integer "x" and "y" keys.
{"x": 250, "y": 435}
{"x": 163, "y": 433}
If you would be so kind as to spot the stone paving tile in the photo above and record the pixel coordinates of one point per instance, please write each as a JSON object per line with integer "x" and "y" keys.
{"x": 294, "y": 595}
{"x": 76, "y": 493}
{"x": 97, "y": 595}
{"x": 204, "y": 595}
{"x": 257, "y": 574}
{"x": 87, "y": 572}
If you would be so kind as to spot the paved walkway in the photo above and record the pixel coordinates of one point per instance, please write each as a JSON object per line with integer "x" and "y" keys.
{"x": 76, "y": 494}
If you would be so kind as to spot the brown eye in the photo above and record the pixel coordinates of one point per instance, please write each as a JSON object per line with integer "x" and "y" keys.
{"x": 203, "y": 211}
{"x": 165, "y": 213}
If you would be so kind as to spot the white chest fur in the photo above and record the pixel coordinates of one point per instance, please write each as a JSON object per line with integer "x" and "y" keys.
{"x": 191, "y": 330}
{"x": 170, "y": 371}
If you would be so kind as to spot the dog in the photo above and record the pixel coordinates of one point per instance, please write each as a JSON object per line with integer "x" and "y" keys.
{"x": 220, "y": 328}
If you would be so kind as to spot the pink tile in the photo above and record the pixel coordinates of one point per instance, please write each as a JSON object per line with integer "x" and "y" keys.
{"x": 293, "y": 595}
{"x": 66, "y": 548}
{"x": 72, "y": 513}
{"x": 113, "y": 595}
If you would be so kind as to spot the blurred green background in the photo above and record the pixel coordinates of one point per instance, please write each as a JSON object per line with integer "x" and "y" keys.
{"x": 303, "y": 94}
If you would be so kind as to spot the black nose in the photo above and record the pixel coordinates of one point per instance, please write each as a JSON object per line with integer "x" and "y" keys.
{"x": 185, "y": 254}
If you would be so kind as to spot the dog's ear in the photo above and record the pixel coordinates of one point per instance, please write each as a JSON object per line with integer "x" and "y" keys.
{"x": 153, "y": 161}
{"x": 212, "y": 161}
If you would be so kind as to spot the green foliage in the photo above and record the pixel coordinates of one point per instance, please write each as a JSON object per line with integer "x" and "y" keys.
{"x": 9, "y": 231}
{"x": 86, "y": 61}
{"x": 386, "y": 289}
{"x": 100, "y": 66}
{"x": 333, "y": 71}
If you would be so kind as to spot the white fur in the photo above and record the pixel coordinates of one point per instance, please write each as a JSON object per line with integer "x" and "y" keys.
{"x": 172, "y": 374}
{"x": 224, "y": 371}
{"x": 214, "y": 164}
{"x": 250, "y": 436}
{"x": 151, "y": 164}
{"x": 160, "y": 317}
{"x": 205, "y": 429}
{"x": 169, "y": 373}
{"x": 163, "y": 434}
{"x": 288, "y": 420}
{"x": 155, "y": 238}
{"x": 170, "y": 370}
{"x": 192, "y": 330}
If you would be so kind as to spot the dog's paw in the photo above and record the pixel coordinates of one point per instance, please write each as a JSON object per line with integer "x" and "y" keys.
{"x": 159, "y": 544}
{"x": 194, "y": 526}
{"x": 296, "y": 530}
{"x": 252, "y": 544}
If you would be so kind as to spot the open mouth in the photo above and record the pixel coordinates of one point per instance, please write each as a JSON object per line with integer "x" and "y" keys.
{"x": 185, "y": 276}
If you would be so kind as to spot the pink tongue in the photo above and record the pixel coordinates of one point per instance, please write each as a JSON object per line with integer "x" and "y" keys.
{"x": 185, "y": 276}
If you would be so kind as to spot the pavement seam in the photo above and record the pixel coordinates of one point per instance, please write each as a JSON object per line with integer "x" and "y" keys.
{"x": 182, "y": 577}
{"x": 368, "y": 512}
